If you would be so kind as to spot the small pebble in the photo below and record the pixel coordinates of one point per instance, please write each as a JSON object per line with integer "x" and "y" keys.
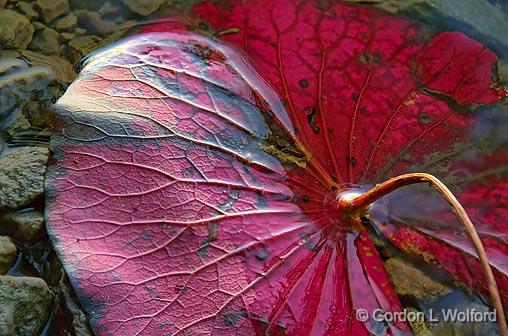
{"x": 79, "y": 31}
{"x": 68, "y": 36}
{"x": 51, "y": 9}
{"x": 23, "y": 225}
{"x": 15, "y": 30}
{"x": 28, "y": 9}
{"x": 19, "y": 84}
{"x": 22, "y": 172}
{"x": 38, "y": 25}
{"x": 46, "y": 41}
{"x": 108, "y": 9}
{"x": 7, "y": 254}
{"x": 16, "y": 123}
{"x": 143, "y": 7}
{"x": 26, "y": 305}
{"x": 94, "y": 24}
{"x": 67, "y": 23}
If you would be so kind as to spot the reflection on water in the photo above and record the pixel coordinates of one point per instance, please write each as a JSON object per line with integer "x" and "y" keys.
{"x": 476, "y": 173}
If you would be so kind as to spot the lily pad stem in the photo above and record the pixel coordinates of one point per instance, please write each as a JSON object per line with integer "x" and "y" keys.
{"x": 361, "y": 202}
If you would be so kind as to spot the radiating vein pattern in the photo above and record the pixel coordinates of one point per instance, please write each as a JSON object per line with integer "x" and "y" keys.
{"x": 193, "y": 185}
{"x": 167, "y": 207}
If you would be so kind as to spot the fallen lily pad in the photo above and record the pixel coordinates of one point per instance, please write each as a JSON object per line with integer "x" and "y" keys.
{"x": 197, "y": 170}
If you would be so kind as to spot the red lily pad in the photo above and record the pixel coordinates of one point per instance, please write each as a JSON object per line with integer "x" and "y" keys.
{"x": 194, "y": 181}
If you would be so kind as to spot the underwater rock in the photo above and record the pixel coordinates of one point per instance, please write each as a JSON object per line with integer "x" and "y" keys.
{"x": 38, "y": 25}
{"x": 67, "y": 23}
{"x": 22, "y": 172}
{"x": 23, "y": 225}
{"x": 19, "y": 82}
{"x": 143, "y": 7}
{"x": 7, "y": 254}
{"x": 113, "y": 11}
{"x": 26, "y": 305}
{"x": 28, "y": 9}
{"x": 15, "y": 30}
{"x": 46, "y": 41}
{"x": 410, "y": 281}
{"x": 79, "y": 31}
{"x": 51, "y": 9}
{"x": 17, "y": 122}
{"x": 94, "y": 23}
{"x": 68, "y": 36}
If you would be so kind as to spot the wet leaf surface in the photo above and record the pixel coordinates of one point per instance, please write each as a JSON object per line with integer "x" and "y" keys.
{"x": 194, "y": 181}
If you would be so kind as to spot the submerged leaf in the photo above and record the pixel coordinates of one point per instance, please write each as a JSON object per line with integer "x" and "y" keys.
{"x": 194, "y": 183}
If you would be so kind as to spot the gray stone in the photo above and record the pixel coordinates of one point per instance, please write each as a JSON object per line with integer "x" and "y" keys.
{"x": 27, "y": 94}
{"x": 22, "y": 172}
{"x": 28, "y": 9}
{"x": 143, "y": 7}
{"x": 109, "y": 8}
{"x": 51, "y": 9}
{"x": 38, "y": 113}
{"x": 46, "y": 41}
{"x": 16, "y": 123}
{"x": 68, "y": 36}
{"x": 26, "y": 305}
{"x": 67, "y": 23}
{"x": 94, "y": 24}
{"x": 23, "y": 225}
{"x": 18, "y": 82}
{"x": 15, "y": 30}
{"x": 7, "y": 254}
